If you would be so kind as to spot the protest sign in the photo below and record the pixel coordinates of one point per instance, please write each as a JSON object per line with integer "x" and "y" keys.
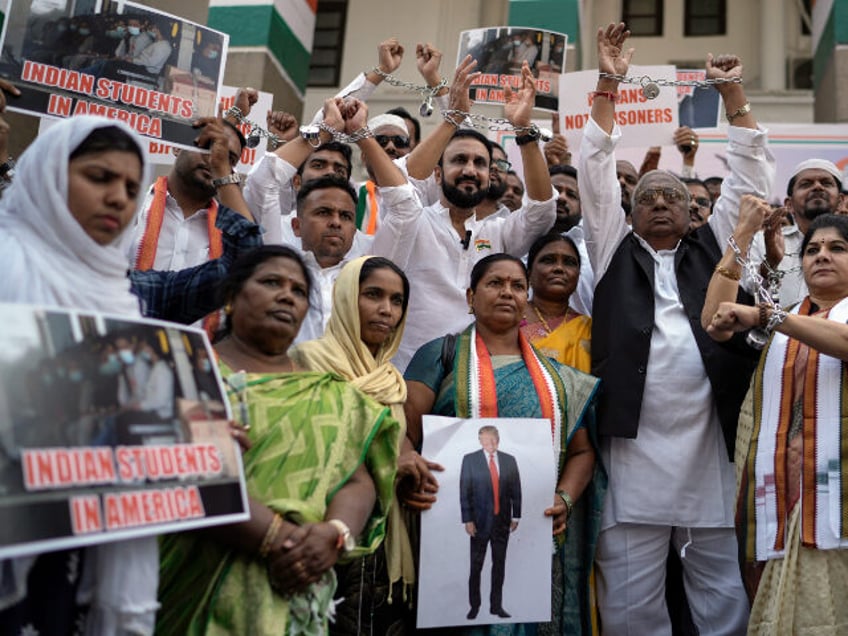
{"x": 644, "y": 122}
{"x": 152, "y": 70}
{"x": 110, "y": 429}
{"x": 500, "y": 52}
{"x": 525, "y": 468}
{"x": 699, "y": 106}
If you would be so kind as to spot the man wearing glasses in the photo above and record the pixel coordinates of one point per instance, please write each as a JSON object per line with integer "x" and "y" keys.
{"x": 700, "y": 203}
{"x": 670, "y": 397}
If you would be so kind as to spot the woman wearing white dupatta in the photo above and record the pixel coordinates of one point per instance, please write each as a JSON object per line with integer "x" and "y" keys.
{"x": 791, "y": 464}
{"x": 61, "y": 222}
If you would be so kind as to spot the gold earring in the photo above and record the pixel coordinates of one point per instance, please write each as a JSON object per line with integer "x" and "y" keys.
{"x": 228, "y": 309}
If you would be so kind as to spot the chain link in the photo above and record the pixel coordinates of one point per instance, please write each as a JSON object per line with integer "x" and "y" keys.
{"x": 647, "y": 79}
{"x": 475, "y": 120}
{"x": 427, "y": 92}
{"x": 357, "y": 135}
{"x": 758, "y": 336}
{"x": 256, "y": 131}
{"x": 651, "y": 86}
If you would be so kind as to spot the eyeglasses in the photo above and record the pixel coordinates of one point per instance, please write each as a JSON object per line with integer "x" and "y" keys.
{"x": 702, "y": 202}
{"x": 399, "y": 141}
{"x": 670, "y": 195}
{"x": 501, "y": 164}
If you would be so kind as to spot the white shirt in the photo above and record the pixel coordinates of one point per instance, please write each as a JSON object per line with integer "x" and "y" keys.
{"x": 581, "y": 299}
{"x": 183, "y": 242}
{"x": 424, "y": 243}
{"x": 676, "y": 471}
{"x": 158, "y": 392}
{"x": 320, "y": 298}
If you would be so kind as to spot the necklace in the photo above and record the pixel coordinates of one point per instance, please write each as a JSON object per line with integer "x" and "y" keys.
{"x": 541, "y": 318}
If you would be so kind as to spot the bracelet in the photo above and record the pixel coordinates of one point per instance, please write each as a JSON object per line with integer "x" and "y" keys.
{"x": 270, "y": 535}
{"x": 569, "y": 504}
{"x": 613, "y": 97}
{"x": 726, "y": 273}
{"x": 739, "y": 112}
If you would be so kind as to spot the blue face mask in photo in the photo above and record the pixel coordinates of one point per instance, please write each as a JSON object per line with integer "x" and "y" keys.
{"x": 75, "y": 375}
{"x": 111, "y": 366}
{"x": 134, "y": 30}
{"x": 126, "y": 356}
{"x": 206, "y": 365}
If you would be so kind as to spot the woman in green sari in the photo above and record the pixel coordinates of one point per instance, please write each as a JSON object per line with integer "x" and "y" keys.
{"x": 493, "y": 371}
{"x": 320, "y": 474}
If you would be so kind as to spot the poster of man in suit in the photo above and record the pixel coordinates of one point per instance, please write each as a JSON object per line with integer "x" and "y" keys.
{"x": 490, "y": 499}
{"x": 486, "y": 544}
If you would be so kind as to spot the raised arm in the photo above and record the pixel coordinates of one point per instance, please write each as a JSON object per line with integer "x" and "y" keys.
{"x": 423, "y": 159}
{"x": 724, "y": 284}
{"x": 600, "y": 192}
{"x": 518, "y": 110}
{"x": 355, "y": 115}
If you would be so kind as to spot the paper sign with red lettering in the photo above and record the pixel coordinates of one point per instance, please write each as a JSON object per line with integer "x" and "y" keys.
{"x": 163, "y": 153}
{"x": 644, "y": 122}
{"x": 152, "y": 70}
{"x": 500, "y": 52}
{"x": 110, "y": 429}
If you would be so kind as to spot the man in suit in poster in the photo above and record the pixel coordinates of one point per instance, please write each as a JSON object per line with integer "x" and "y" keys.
{"x": 490, "y": 498}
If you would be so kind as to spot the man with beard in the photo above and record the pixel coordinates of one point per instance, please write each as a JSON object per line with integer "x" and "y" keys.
{"x": 437, "y": 246}
{"x": 814, "y": 189}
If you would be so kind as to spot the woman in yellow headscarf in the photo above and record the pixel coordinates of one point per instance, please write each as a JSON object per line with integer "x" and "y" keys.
{"x": 363, "y": 334}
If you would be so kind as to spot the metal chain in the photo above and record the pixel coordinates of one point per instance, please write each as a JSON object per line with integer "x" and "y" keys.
{"x": 758, "y": 336}
{"x": 475, "y": 120}
{"x": 256, "y": 131}
{"x": 427, "y": 92}
{"x": 357, "y": 135}
{"x": 651, "y": 86}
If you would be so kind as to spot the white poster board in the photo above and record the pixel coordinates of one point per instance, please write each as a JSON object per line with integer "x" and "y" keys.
{"x": 644, "y": 122}
{"x": 445, "y": 562}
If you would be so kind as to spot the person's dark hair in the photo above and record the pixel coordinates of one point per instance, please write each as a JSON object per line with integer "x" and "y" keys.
{"x": 155, "y": 343}
{"x": 543, "y": 241}
{"x": 322, "y": 183}
{"x": 400, "y": 111}
{"x": 244, "y": 267}
{"x": 470, "y": 133}
{"x": 837, "y": 221}
{"x": 482, "y": 266}
{"x": 569, "y": 171}
{"x": 332, "y": 146}
{"x": 106, "y": 139}
{"x": 495, "y": 144}
{"x": 694, "y": 180}
{"x": 233, "y": 127}
{"x": 713, "y": 181}
{"x": 791, "y": 185}
{"x": 378, "y": 262}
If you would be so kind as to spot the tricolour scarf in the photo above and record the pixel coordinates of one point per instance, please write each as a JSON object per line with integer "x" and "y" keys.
{"x": 476, "y": 394}
{"x": 762, "y": 513}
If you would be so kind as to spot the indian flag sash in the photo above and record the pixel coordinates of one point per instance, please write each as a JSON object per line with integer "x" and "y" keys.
{"x": 824, "y": 473}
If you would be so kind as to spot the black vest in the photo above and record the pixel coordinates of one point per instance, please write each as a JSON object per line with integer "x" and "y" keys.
{"x": 623, "y": 321}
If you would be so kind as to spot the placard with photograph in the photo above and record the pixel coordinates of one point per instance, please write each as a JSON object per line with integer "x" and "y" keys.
{"x": 486, "y": 546}
{"x": 152, "y": 70}
{"x": 500, "y": 52}
{"x": 110, "y": 429}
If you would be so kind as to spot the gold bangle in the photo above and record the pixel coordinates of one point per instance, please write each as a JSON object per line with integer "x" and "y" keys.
{"x": 270, "y": 535}
{"x": 739, "y": 112}
{"x": 726, "y": 273}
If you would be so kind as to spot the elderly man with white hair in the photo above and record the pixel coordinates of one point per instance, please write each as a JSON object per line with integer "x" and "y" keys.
{"x": 815, "y": 188}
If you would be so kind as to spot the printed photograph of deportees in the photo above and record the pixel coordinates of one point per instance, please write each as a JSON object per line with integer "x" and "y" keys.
{"x": 109, "y": 428}
{"x": 155, "y": 71}
{"x": 501, "y": 51}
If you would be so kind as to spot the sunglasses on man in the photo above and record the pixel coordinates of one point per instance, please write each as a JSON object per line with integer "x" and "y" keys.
{"x": 399, "y": 141}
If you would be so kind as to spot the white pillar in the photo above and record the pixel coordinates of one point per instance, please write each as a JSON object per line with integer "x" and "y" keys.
{"x": 773, "y": 45}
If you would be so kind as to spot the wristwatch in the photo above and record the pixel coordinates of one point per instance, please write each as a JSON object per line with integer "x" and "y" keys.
{"x": 531, "y": 136}
{"x": 345, "y": 542}
{"x": 233, "y": 177}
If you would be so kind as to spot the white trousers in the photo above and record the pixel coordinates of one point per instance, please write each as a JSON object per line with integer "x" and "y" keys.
{"x": 631, "y": 570}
